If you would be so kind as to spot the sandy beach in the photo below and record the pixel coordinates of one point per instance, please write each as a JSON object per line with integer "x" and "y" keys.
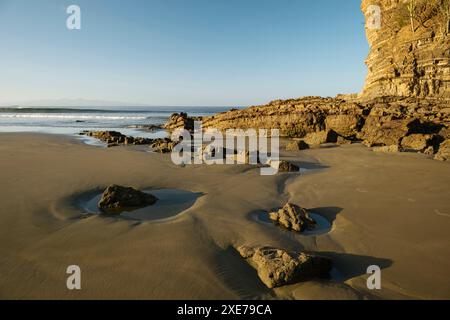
{"x": 391, "y": 210}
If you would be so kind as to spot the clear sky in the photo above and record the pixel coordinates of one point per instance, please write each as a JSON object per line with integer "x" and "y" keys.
{"x": 181, "y": 52}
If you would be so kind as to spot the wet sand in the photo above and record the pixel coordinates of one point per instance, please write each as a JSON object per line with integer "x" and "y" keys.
{"x": 392, "y": 210}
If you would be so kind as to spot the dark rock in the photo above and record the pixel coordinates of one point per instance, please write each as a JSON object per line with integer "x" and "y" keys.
{"x": 116, "y": 199}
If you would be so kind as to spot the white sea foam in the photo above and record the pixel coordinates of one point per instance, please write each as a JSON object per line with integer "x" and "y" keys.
{"x": 70, "y": 116}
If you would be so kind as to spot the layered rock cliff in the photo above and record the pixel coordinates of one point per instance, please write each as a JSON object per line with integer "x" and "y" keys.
{"x": 409, "y": 48}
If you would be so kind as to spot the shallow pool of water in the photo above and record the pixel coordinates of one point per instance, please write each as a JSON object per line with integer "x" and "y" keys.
{"x": 171, "y": 202}
{"x": 323, "y": 225}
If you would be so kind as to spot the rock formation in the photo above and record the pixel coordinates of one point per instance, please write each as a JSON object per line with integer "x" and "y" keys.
{"x": 115, "y": 138}
{"x": 383, "y": 121}
{"x": 181, "y": 120}
{"x": 406, "y": 93}
{"x": 279, "y": 267}
{"x": 293, "y": 217}
{"x": 409, "y": 48}
{"x": 444, "y": 151}
{"x": 116, "y": 199}
{"x": 163, "y": 145}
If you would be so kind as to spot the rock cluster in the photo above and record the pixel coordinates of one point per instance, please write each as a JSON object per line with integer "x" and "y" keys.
{"x": 385, "y": 121}
{"x": 115, "y": 138}
{"x": 293, "y": 217}
{"x": 277, "y": 267}
{"x": 116, "y": 199}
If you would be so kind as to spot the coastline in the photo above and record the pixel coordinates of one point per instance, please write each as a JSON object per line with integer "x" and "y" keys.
{"x": 384, "y": 209}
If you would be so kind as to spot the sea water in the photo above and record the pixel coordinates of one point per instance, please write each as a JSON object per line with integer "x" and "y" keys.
{"x": 71, "y": 121}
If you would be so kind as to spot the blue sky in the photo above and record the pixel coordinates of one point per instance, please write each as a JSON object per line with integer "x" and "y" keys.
{"x": 181, "y": 52}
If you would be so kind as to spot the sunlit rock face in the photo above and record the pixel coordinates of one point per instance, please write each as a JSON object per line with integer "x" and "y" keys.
{"x": 407, "y": 58}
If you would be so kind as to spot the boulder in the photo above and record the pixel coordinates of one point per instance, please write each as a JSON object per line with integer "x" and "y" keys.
{"x": 346, "y": 125}
{"x": 293, "y": 217}
{"x": 417, "y": 142}
{"x": 382, "y": 131}
{"x": 116, "y": 199}
{"x": 321, "y": 137}
{"x": 279, "y": 267}
{"x": 297, "y": 145}
{"x": 443, "y": 153}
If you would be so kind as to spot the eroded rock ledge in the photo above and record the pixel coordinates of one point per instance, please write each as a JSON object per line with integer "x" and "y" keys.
{"x": 408, "y": 57}
{"x": 413, "y": 124}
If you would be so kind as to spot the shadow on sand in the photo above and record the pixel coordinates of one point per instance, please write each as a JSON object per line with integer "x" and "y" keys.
{"x": 240, "y": 277}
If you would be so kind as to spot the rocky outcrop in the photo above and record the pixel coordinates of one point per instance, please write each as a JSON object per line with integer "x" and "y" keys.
{"x": 444, "y": 151}
{"x": 384, "y": 131}
{"x": 163, "y": 145}
{"x": 378, "y": 122}
{"x": 407, "y": 90}
{"x": 409, "y": 50}
{"x": 115, "y": 138}
{"x": 181, "y": 121}
{"x": 116, "y": 199}
{"x": 419, "y": 142}
{"x": 293, "y": 217}
{"x": 279, "y": 267}
{"x": 294, "y": 117}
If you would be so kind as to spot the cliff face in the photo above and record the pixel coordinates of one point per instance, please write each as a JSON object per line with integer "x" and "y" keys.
{"x": 409, "y": 48}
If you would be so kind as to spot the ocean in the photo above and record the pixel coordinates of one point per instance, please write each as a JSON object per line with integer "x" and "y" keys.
{"x": 71, "y": 121}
